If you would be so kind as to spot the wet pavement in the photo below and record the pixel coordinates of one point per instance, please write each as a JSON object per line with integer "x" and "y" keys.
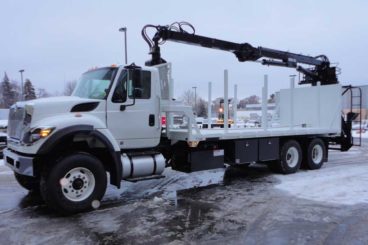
{"x": 233, "y": 206}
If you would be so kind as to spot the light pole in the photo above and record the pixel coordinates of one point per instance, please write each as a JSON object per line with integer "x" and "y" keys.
{"x": 124, "y": 29}
{"x": 195, "y": 98}
{"x": 21, "y": 84}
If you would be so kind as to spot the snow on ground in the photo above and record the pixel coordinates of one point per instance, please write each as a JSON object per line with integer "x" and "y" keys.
{"x": 344, "y": 184}
{"x": 4, "y": 170}
{"x": 356, "y": 134}
{"x": 174, "y": 181}
{"x": 343, "y": 180}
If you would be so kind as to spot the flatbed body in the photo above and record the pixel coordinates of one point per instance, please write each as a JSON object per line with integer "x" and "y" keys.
{"x": 247, "y": 133}
{"x": 302, "y": 111}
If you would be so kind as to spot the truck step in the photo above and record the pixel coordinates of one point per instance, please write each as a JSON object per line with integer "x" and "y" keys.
{"x": 145, "y": 178}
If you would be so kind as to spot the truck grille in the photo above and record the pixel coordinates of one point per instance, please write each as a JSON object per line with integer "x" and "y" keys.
{"x": 15, "y": 122}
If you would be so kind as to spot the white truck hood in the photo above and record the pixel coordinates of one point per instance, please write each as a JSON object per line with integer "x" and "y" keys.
{"x": 41, "y": 108}
{"x": 57, "y": 103}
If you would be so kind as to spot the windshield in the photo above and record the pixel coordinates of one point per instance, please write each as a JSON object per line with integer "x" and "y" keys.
{"x": 95, "y": 84}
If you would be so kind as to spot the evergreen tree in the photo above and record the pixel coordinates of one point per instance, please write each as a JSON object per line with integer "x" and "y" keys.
{"x": 29, "y": 91}
{"x": 8, "y": 94}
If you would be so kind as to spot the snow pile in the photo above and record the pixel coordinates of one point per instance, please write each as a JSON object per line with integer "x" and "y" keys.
{"x": 174, "y": 181}
{"x": 346, "y": 184}
{"x": 182, "y": 181}
{"x": 1, "y": 162}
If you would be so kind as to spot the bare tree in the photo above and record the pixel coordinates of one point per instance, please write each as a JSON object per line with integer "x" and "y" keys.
{"x": 188, "y": 97}
{"x": 69, "y": 87}
{"x": 201, "y": 109}
{"x": 253, "y": 99}
{"x": 42, "y": 93}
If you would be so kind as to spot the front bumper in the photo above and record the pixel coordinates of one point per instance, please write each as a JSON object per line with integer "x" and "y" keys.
{"x": 20, "y": 164}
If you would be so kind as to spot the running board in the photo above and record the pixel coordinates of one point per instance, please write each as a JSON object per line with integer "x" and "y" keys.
{"x": 145, "y": 178}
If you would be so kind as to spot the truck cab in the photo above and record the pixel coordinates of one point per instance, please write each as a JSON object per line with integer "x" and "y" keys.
{"x": 112, "y": 110}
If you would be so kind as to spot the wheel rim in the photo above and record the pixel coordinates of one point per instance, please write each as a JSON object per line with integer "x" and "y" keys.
{"x": 292, "y": 157}
{"x": 317, "y": 154}
{"x": 78, "y": 184}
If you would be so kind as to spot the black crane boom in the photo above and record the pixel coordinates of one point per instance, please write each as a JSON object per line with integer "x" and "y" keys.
{"x": 321, "y": 71}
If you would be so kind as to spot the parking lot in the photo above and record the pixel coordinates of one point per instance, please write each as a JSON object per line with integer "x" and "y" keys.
{"x": 234, "y": 206}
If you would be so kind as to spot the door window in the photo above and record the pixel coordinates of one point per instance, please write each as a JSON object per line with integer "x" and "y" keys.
{"x": 140, "y": 82}
{"x": 142, "y": 85}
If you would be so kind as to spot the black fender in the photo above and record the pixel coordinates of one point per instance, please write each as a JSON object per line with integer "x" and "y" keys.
{"x": 60, "y": 135}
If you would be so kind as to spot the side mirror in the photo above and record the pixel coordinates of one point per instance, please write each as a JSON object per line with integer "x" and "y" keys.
{"x": 136, "y": 93}
{"x": 134, "y": 77}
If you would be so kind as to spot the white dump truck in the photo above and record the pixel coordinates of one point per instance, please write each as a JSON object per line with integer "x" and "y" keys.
{"x": 110, "y": 128}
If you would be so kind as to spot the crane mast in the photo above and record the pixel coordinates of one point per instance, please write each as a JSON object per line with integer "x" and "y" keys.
{"x": 319, "y": 70}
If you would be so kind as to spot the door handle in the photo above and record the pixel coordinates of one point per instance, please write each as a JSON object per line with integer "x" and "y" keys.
{"x": 158, "y": 112}
{"x": 151, "y": 120}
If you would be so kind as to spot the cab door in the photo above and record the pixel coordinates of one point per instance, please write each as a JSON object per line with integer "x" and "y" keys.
{"x": 133, "y": 110}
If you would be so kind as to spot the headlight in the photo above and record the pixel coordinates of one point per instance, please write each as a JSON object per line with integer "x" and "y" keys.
{"x": 38, "y": 133}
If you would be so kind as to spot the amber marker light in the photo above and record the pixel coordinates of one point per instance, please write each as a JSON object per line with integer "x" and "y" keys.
{"x": 45, "y": 132}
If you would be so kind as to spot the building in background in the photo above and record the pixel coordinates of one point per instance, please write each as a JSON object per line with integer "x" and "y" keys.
{"x": 346, "y": 102}
{"x": 254, "y": 112}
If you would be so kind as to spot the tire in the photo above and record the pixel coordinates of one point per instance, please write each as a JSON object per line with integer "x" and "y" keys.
{"x": 76, "y": 183}
{"x": 28, "y": 182}
{"x": 315, "y": 154}
{"x": 290, "y": 158}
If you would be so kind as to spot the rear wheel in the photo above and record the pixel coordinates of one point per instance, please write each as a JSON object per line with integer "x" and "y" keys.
{"x": 74, "y": 184}
{"x": 290, "y": 158}
{"x": 315, "y": 154}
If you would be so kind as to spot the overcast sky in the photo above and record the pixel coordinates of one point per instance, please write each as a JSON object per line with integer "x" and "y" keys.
{"x": 56, "y": 41}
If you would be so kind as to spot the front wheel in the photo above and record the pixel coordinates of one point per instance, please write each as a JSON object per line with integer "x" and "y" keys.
{"x": 74, "y": 184}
